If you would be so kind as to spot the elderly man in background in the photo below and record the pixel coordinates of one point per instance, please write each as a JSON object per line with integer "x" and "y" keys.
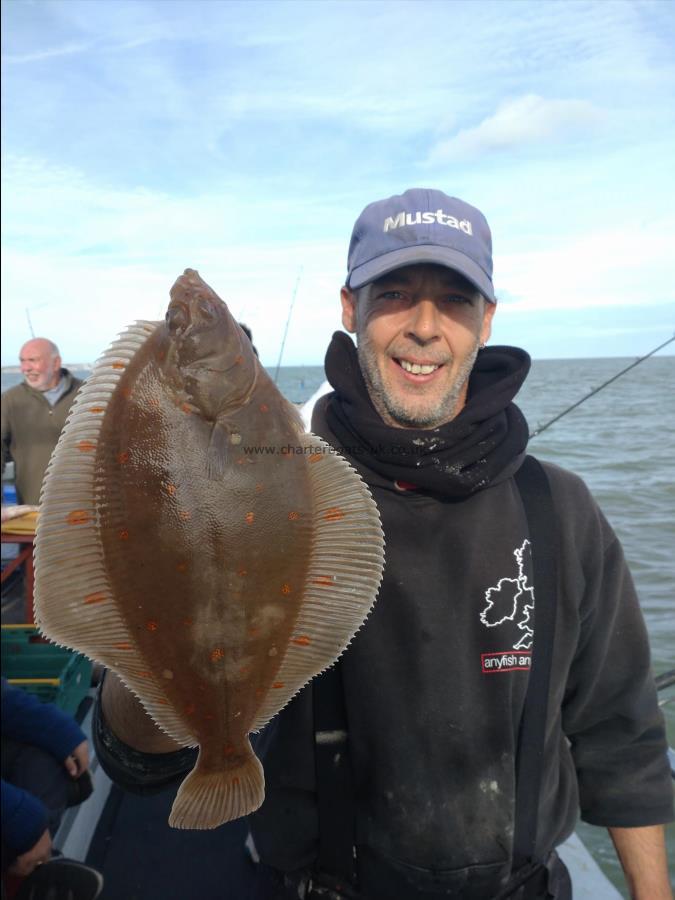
{"x": 33, "y": 415}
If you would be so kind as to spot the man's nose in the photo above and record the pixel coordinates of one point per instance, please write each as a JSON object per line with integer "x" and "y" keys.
{"x": 424, "y": 322}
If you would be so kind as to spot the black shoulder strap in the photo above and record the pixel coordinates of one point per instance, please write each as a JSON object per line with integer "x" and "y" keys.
{"x": 535, "y": 491}
{"x": 334, "y": 777}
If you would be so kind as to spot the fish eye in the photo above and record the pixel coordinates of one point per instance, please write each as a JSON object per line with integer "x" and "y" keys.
{"x": 206, "y": 308}
{"x": 176, "y": 318}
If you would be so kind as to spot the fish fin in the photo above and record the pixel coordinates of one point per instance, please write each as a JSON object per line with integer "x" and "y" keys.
{"x": 216, "y": 455}
{"x": 74, "y": 602}
{"x": 207, "y": 799}
{"x": 343, "y": 577}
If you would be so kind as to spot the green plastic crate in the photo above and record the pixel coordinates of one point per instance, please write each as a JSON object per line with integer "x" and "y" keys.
{"x": 53, "y": 674}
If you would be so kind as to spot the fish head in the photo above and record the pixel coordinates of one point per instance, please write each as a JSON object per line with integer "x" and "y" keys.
{"x": 209, "y": 357}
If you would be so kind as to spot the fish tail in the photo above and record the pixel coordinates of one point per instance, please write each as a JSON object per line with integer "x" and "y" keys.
{"x": 207, "y": 799}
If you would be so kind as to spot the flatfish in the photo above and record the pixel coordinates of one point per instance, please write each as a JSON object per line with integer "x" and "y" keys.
{"x": 196, "y": 541}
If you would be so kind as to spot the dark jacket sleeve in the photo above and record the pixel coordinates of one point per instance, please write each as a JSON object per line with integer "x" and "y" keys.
{"x": 610, "y": 709}
{"x": 27, "y": 719}
{"x": 24, "y": 818}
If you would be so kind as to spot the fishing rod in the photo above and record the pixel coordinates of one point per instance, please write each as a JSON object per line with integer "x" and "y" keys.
{"x": 288, "y": 322}
{"x": 598, "y": 389}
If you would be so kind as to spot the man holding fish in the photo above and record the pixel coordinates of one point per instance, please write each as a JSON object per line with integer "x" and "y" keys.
{"x": 423, "y": 729}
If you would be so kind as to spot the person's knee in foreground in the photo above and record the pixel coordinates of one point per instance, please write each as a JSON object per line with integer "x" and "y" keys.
{"x": 45, "y": 769}
{"x": 435, "y": 683}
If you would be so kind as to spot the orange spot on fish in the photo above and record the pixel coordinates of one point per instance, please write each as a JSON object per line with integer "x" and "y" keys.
{"x": 242, "y": 573}
{"x": 171, "y": 489}
{"x": 249, "y": 517}
{"x": 324, "y": 580}
{"x": 125, "y": 392}
{"x": 302, "y": 641}
{"x": 97, "y": 409}
{"x": 264, "y": 408}
{"x": 123, "y": 645}
{"x": 78, "y": 517}
{"x": 259, "y": 488}
{"x": 315, "y": 457}
{"x": 151, "y": 625}
{"x": 277, "y": 684}
{"x": 123, "y": 457}
{"x": 189, "y": 709}
{"x": 244, "y": 670}
{"x": 163, "y": 701}
{"x": 98, "y": 597}
{"x": 123, "y": 534}
{"x": 235, "y": 780}
{"x": 145, "y": 674}
{"x": 293, "y": 516}
{"x": 186, "y": 408}
{"x": 185, "y": 515}
{"x": 238, "y": 360}
{"x": 182, "y": 567}
{"x": 154, "y": 402}
{"x": 86, "y": 446}
{"x": 188, "y": 620}
{"x": 119, "y": 365}
{"x": 217, "y": 654}
{"x": 253, "y": 632}
{"x": 334, "y": 514}
{"x": 285, "y": 588}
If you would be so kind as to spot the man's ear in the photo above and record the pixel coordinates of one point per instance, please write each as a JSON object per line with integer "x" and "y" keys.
{"x": 486, "y": 329}
{"x": 348, "y": 300}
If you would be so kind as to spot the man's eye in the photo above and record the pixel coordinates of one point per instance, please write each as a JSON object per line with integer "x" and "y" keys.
{"x": 391, "y": 295}
{"x": 458, "y": 298}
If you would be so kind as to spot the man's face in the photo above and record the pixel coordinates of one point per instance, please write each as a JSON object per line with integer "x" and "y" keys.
{"x": 418, "y": 331}
{"x": 39, "y": 365}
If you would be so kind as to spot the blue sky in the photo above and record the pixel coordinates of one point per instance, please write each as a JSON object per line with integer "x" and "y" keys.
{"x": 141, "y": 137}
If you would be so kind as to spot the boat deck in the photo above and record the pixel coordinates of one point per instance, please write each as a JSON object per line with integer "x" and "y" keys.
{"x": 141, "y": 858}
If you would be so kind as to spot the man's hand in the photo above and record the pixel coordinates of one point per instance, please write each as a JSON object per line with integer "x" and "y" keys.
{"x": 40, "y": 852}
{"x": 78, "y": 761}
{"x": 642, "y": 853}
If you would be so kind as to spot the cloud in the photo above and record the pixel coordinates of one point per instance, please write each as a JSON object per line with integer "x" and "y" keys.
{"x": 39, "y": 55}
{"x": 609, "y": 268}
{"x": 530, "y": 119}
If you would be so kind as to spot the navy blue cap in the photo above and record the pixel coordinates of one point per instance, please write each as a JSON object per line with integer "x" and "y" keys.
{"x": 421, "y": 226}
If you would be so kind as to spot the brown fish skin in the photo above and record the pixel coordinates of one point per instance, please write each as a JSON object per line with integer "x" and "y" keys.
{"x": 196, "y": 507}
{"x": 199, "y": 553}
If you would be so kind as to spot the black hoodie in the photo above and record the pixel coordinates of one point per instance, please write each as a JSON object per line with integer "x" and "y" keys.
{"x": 435, "y": 680}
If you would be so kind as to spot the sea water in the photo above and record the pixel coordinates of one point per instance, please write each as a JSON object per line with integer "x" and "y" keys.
{"x": 621, "y": 441}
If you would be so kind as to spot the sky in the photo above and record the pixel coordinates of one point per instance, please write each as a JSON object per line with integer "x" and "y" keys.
{"x": 242, "y": 139}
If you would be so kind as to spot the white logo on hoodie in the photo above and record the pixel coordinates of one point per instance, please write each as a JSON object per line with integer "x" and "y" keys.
{"x": 512, "y": 600}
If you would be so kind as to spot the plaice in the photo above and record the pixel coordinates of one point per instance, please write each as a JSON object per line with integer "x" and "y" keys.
{"x": 193, "y": 539}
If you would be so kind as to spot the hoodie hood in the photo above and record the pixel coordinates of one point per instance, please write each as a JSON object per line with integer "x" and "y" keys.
{"x": 483, "y": 445}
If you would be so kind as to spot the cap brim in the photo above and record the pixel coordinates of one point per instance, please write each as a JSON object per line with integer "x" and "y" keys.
{"x": 422, "y": 253}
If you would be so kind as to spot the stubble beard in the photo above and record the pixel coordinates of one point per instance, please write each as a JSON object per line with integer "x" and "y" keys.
{"x": 399, "y": 413}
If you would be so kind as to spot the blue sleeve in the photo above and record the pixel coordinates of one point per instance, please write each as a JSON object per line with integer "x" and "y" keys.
{"x": 24, "y": 818}
{"x": 27, "y": 719}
